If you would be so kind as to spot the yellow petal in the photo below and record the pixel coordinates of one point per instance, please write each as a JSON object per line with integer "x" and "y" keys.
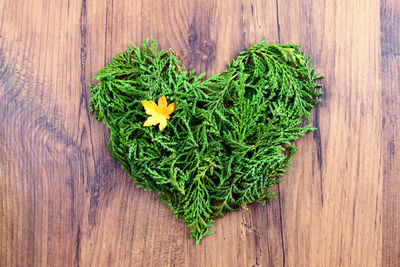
{"x": 170, "y": 109}
{"x": 163, "y": 124}
{"x": 162, "y": 102}
{"x": 150, "y": 121}
{"x": 150, "y": 107}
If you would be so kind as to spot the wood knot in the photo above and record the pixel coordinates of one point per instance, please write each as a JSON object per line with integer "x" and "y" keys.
{"x": 206, "y": 49}
{"x": 192, "y": 38}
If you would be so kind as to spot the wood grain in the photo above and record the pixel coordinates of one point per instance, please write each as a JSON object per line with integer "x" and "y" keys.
{"x": 390, "y": 69}
{"x": 65, "y": 202}
{"x": 338, "y": 181}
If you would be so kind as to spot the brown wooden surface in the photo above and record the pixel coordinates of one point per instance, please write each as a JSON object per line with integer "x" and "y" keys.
{"x": 65, "y": 202}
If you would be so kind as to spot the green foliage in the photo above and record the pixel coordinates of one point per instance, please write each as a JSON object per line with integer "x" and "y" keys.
{"x": 229, "y": 138}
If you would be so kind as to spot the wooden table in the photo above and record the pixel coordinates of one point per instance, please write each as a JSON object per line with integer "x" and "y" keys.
{"x": 65, "y": 202}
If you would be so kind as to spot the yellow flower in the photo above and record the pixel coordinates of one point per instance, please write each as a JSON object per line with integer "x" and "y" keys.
{"x": 159, "y": 114}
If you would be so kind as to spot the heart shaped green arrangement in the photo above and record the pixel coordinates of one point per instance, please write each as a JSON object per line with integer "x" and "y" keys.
{"x": 210, "y": 145}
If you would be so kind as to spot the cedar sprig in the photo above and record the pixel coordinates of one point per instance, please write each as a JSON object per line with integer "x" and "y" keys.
{"x": 230, "y": 136}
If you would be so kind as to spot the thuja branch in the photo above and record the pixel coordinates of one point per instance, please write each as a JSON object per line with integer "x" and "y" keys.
{"x": 229, "y": 138}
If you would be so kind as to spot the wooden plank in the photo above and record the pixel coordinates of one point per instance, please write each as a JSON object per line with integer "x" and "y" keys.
{"x": 390, "y": 69}
{"x": 332, "y": 201}
{"x": 41, "y": 160}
